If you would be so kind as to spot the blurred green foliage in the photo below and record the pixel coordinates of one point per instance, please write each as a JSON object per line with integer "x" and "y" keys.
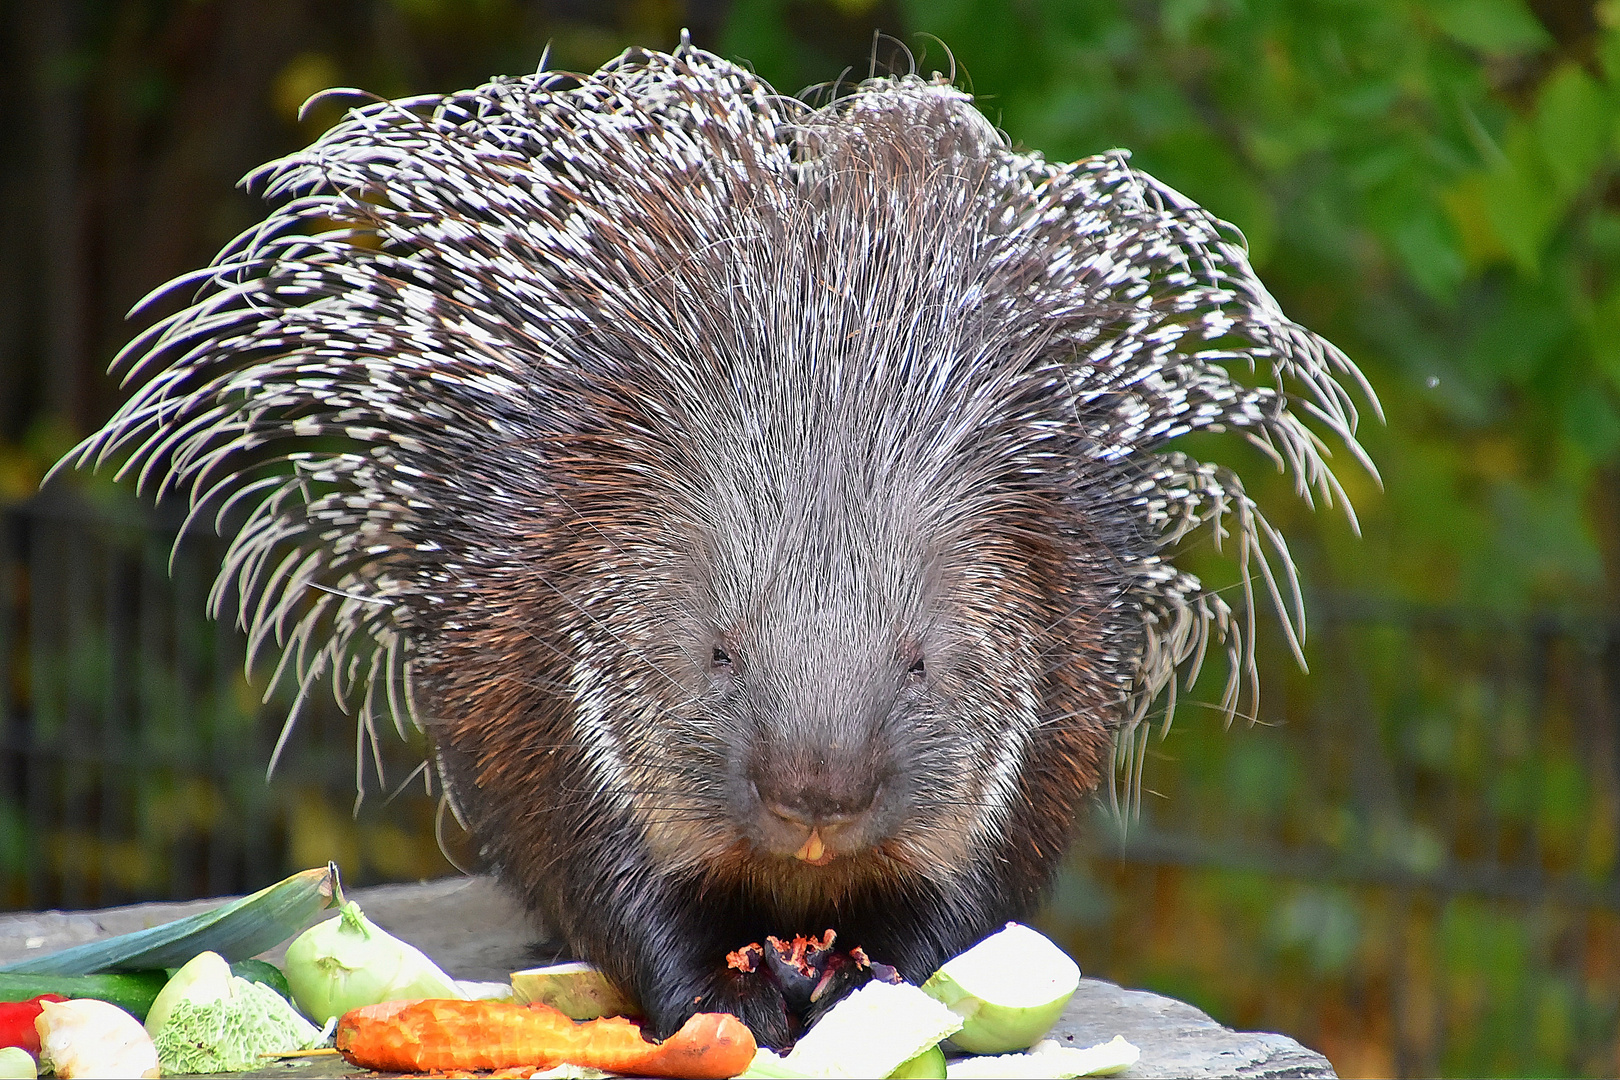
{"x": 1431, "y": 185}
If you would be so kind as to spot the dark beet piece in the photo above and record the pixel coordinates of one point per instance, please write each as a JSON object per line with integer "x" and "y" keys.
{"x": 808, "y": 972}
{"x": 745, "y": 959}
{"x": 799, "y": 965}
{"x": 880, "y": 972}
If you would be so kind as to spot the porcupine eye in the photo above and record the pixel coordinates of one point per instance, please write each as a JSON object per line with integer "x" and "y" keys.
{"x": 917, "y": 672}
{"x": 720, "y": 661}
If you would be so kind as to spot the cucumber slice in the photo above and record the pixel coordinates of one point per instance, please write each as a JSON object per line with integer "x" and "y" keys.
{"x": 928, "y": 1065}
{"x": 873, "y": 1032}
{"x": 578, "y": 991}
{"x": 1049, "y": 1060}
{"x": 1009, "y": 990}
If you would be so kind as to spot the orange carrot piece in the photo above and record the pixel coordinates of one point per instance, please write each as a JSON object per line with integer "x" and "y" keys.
{"x": 441, "y": 1033}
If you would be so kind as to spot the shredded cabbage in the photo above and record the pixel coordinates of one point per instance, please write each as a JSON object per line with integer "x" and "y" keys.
{"x": 229, "y": 1034}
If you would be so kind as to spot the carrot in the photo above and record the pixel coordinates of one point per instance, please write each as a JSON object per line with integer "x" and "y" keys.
{"x": 440, "y": 1033}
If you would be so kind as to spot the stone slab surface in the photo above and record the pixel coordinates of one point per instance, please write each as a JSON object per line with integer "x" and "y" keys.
{"x": 472, "y": 929}
{"x": 1179, "y": 1040}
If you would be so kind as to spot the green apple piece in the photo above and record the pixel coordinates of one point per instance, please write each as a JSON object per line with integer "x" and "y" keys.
{"x": 872, "y": 1032}
{"x": 928, "y": 1065}
{"x": 1049, "y": 1059}
{"x": 1009, "y": 990}
{"x": 476, "y": 990}
{"x": 579, "y": 991}
{"x": 17, "y": 1064}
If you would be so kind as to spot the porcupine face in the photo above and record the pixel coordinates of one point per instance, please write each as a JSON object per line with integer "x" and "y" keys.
{"x": 818, "y": 672}
{"x": 865, "y": 578}
{"x": 875, "y": 683}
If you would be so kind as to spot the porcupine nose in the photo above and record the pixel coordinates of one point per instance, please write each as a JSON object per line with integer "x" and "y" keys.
{"x": 821, "y": 810}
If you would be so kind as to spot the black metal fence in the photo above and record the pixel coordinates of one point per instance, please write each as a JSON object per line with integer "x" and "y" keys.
{"x": 1412, "y": 861}
{"x": 133, "y": 745}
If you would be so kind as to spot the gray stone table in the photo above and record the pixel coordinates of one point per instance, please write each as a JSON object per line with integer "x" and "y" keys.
{"x": 474, "y": 931}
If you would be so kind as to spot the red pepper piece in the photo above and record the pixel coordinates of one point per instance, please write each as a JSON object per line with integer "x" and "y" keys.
{"x": 17, "y": 1021}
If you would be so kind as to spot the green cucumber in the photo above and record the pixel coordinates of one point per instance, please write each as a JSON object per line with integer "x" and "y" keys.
{"x": 132, "y": 991}
{"x": 263, "y": 971}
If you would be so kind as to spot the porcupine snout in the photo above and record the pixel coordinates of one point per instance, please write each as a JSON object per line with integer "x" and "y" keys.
{"x": 827, "y": 709}
{"x": 817, "y": 801}
{"x": 823, "y": 770}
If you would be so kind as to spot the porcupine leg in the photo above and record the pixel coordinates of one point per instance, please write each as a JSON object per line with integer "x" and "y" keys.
{"x": 671, "y": 954}
{"x": 694, "y": 976}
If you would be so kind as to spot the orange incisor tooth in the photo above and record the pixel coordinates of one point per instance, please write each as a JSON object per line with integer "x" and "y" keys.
{"x": 814, "y": 851}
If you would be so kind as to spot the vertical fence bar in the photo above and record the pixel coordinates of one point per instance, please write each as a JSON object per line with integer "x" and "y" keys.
{"x": 43, "y": 781}
{"x": 118, "y": 767}
{"x": 13, "y": 720}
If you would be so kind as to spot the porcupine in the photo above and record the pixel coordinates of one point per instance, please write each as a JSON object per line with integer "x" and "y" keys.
{"x": 764, "y": 508}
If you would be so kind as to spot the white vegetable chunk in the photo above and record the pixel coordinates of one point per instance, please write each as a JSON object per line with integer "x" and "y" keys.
{"x": 91, "y": 1039}
{"x": 1048, "y": 1059}
{"x": 872, "y": 1032}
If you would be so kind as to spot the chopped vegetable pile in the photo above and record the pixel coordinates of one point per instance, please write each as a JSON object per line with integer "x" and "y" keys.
{"x": 79, "y": 1012}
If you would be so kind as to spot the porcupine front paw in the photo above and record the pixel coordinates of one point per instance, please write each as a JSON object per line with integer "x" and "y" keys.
{"x": 757, "y": 1002}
